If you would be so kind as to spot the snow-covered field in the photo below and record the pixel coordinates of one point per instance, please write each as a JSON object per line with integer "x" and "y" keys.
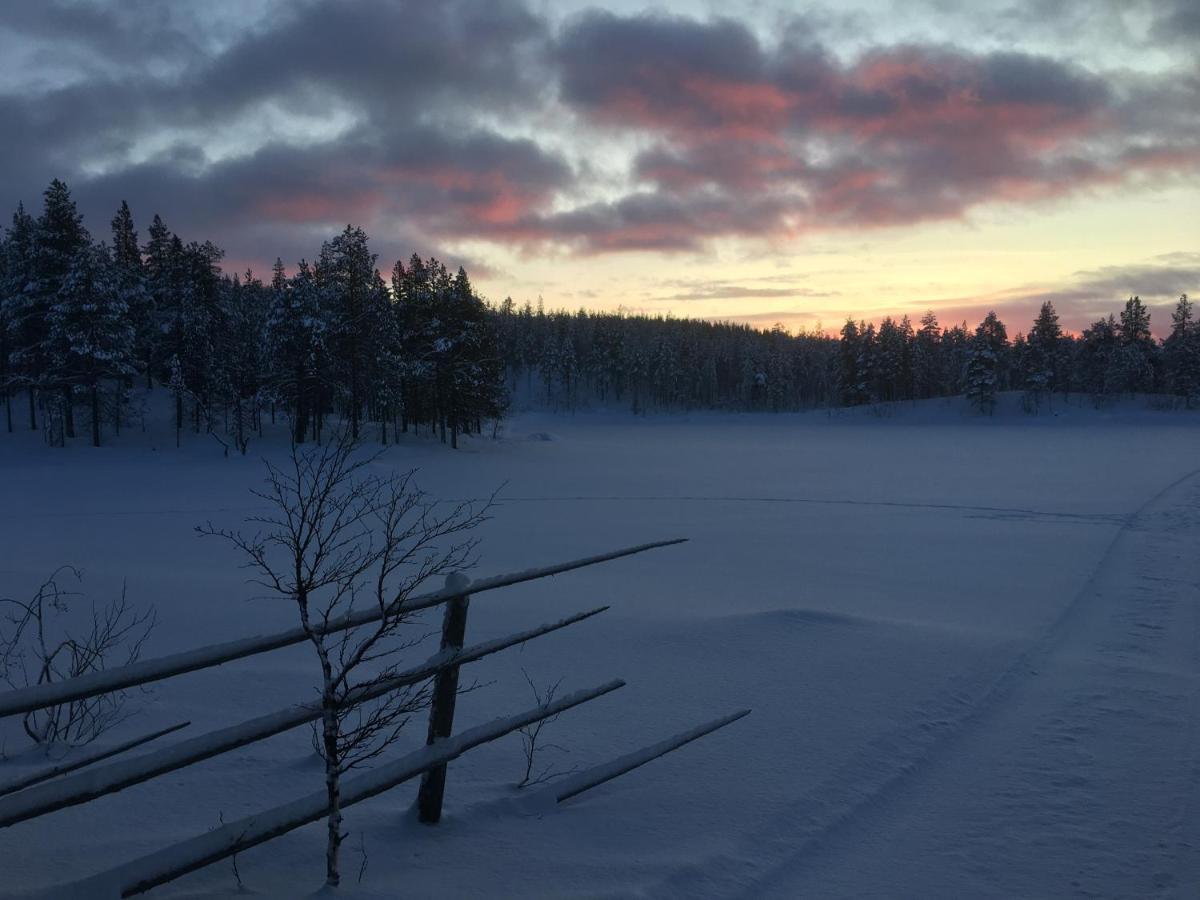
{"x": 972, "y": 647}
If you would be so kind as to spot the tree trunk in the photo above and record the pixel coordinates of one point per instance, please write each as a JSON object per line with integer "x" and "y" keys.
{"x": 68, "y": 412}
{"x": 333, "y": 791}
{"x": 95, "y": 413}
{"x": 32, "y": 410}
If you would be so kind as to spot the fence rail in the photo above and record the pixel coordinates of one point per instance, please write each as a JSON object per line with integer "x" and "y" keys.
{"x": 87, "y": 759}
{"x": 148, "y": 671}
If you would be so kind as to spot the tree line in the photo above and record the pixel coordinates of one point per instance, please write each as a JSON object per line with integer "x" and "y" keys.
{"x": 562, "y": 360}
{"x": 82, "y": 321}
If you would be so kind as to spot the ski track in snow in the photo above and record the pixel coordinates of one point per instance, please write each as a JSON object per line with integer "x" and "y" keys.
{"x": 872, "y": 789}
{"x": 992, "y": 512}
{"x": 987, "y": 512}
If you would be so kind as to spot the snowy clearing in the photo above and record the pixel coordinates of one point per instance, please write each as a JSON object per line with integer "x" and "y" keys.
{"x": 972, "y": 648}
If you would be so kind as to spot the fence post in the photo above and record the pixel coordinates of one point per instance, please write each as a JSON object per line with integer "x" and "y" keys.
{"x": 445, "y": 692}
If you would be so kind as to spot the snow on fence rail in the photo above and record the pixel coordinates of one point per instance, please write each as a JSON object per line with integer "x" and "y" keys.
{"x": 10, "y": 787}
{"x": 30, "y": 798}
{"x": 147, "y": 671}
{"x": 575, "y": 785}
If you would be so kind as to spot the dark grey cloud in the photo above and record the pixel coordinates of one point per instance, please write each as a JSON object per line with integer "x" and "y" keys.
{"x": 1177, "y": 21}
{"x": 417, "y": 80}
{"x": 900, "y": 134}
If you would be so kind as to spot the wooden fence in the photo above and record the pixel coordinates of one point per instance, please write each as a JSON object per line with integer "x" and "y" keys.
{"x": 82, "y": 780}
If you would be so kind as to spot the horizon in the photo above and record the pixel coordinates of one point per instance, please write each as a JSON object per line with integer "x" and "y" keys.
{"x": 760, "y": 167}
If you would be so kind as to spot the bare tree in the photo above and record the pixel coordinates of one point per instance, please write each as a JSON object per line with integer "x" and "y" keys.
{"x": 531, "y": 738}
{"x": 339, "y": 535}
{"x": 40, "y": 644}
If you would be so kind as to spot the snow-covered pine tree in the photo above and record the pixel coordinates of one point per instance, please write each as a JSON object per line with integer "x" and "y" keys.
{"x": 296, "y": 330}
{"x": 241, "y": 346}
{"x": 984, "y": 361}
{"x": 1039, "y": 365}
{"x": 1098, "y": 370}
{"x": 889, "y": 361}
{"x": 131, "y": 272}
{"x": 25, "y": 318}
{"x": 346, "y": 274}
{"x": 5, "y": 338}
{"x": 199, "y": 326}
{"x": 1181, "y": 353}
{"x": 849, "y": 354}
{"x": 385, "y": 363}
{"x": 57, "y": 238}
{"x": 163, "y": 276}
{"x": 90, "y": 335}
{"x": 868, "y": 361}
{"x": 477, "y": 370}
{"x": 1136, "y": 360}
{"x": 927, "y": 358}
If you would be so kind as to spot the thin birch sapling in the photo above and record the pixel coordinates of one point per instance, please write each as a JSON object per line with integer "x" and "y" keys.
{"x": 340, "y": 535}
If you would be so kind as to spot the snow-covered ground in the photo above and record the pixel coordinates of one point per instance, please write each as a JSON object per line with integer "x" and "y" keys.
{"x": 972, "y": 647}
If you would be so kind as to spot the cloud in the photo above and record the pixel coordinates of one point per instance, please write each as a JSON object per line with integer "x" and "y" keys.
{"x": 1178, "y": 21}
{"x": 687, "y": 290}
{"x": 901, "y": 134}
{"x": 410, "y": 82}
{"x": 266, "y": 123}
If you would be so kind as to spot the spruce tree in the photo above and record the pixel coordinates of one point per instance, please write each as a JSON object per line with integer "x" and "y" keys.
{"x": 1181, "y": 353}
{"x": 984, "y": 363}
{"x": 1098, "y": 367}
{"x": 164, "y": 284}
{"x": 131, "y": 272}
{"x": 346, "y": 273}
{"x": 1137, "y": 358}
{"x": 1041, "y": 360}
{"x": 849, "y": 377}
{"x": 90, "y": 335}
{"x": 23, "y": 321}
{"x": 296, "y": 330}
{"x": 927, "y": 362}
{"x": 6, "y": 335}
{"x": 58, "y": 238}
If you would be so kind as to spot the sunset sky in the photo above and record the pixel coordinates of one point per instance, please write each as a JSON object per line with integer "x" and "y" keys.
{"x": 756, "y": 161}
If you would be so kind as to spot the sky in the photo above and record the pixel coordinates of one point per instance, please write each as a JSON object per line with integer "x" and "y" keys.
{"x": 755, "y": 161}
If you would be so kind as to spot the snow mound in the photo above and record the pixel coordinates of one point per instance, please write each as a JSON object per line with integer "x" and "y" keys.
{"x": 541, "y": 436}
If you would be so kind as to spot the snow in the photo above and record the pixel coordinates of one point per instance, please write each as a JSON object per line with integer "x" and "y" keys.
{"x": 971, "y": 646}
